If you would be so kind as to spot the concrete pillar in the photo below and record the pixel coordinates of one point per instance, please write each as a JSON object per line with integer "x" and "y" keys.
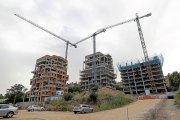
{"x": 134, "y": 78}
{"x": 142, "y": 79}
{"x": 129, "y": 83}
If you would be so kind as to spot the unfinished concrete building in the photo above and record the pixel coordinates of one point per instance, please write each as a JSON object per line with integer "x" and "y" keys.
{"x": 135, "y": 76}
{"x": 104, "y": 71}
{"x": 50, "y": 76}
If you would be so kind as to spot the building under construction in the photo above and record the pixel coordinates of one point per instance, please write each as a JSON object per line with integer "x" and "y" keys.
{"x": 50, "y": 76}
{"x": 135, "y": 76}
{"x": 105, "y": 76}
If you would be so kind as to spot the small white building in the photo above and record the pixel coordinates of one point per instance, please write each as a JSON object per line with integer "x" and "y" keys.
{"x": 59, "y": 95}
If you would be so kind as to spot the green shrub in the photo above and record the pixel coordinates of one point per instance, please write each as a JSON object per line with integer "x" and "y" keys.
{"x": 57, "y": 105}
{"x": 111, "y": 102}
{"x": 93, "y": 97}
{"x": 74, "y": 89}
{"x": 100, "y": 100}
{"x": 48, "y": 101}
{"x": 178, "y": 96}
{"x": 177, "y": 99}
{"x": 93, "y": 87}
{"x": 68, "y": 96}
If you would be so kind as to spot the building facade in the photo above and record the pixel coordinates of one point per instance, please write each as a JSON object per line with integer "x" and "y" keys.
{"x": 104, "y": 71}
{"x": 135, "y": 78}
{"x": 49, "y": 76}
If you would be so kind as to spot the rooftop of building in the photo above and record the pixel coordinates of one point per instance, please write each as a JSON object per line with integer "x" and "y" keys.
{"x": 157, "y": 59}
{"x": 49, "y": 56}
{"x": 97, "y": 53}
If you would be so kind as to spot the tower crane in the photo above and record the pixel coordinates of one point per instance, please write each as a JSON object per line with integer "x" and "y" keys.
{"x": 142, "y": 43}
{"x": 149, "y": 71}
{"x": 44, "y": 29}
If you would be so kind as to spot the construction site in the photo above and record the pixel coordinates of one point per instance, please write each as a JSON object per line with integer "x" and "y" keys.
{"x": 135, "y": 79}
{"x": 105, "y": 76}
{"x": 49, "y": 76}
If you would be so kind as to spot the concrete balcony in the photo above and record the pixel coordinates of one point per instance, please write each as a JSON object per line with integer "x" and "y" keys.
{"x": 140, "y": 89}
{"x": 138, "y": 85}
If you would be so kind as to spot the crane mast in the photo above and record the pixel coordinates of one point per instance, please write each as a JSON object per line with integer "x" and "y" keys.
{"x": 149, "y": 71}
{"x": 147, "y": 61}
{"x": 94, "y": 58}
{"x": 111, "y": 26}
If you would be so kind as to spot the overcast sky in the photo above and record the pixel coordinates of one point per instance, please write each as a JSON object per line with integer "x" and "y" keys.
{"x": 21, "y": 43}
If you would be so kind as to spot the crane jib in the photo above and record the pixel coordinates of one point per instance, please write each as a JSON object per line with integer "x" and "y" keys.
{"x": 111, "y": 26}
{"x": 44, "y": 29}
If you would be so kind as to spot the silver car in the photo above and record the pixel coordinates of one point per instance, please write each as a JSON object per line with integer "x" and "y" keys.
{"x": 35, "y": 108}
{"x": 7, "y": 111}
{"x": 82, "y": 108}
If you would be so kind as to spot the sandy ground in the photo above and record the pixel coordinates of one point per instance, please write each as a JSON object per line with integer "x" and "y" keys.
{"x": 135, "y": 110}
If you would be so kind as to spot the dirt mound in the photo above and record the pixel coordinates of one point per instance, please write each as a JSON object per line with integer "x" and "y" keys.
{"x": 108, "y": 91}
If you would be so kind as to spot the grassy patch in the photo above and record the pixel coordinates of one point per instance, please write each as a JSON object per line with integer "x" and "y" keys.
{"x": 177, "y": 99}
{"x": 111, "y": 102}
{"x": 104, "y": 99}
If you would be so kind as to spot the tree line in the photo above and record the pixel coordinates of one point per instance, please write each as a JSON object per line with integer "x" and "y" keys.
{"x": 16, "y": 93}
{"x": 174, "y": 79}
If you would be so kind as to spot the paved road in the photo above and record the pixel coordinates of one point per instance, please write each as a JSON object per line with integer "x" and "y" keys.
{"x": 135, "y": 110}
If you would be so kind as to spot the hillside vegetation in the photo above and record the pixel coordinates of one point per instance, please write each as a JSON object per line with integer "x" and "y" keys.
{"x": 103, "y": 99}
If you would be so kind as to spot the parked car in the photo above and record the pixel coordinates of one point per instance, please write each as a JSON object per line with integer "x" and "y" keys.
{"x": 82, "y": 108}
{"x": 171, "y": 95}
{"x": 7, "y": 111}
{"x": 35, "y": 108}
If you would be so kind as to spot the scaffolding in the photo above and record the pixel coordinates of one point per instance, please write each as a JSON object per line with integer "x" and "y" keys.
{"x": 105, "y": 76}
{"x": 49, "y": 76}
{"x": 135, "y": 78}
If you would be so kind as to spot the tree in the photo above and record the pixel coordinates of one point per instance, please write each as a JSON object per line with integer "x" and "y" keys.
{"x": 74, "y": 89}
{"x": 1, "y": 96}
{"x": 93, "y": 95}
{"x": 94, "y": 87}
{"x": 68, "y": 96}
{"x": 15, "y": 93}
{"x": 174, "y": 80}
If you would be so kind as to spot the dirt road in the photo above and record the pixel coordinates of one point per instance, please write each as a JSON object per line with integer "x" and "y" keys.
{"x": 172, "y": 111}
{"x": 135, "y": 110}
